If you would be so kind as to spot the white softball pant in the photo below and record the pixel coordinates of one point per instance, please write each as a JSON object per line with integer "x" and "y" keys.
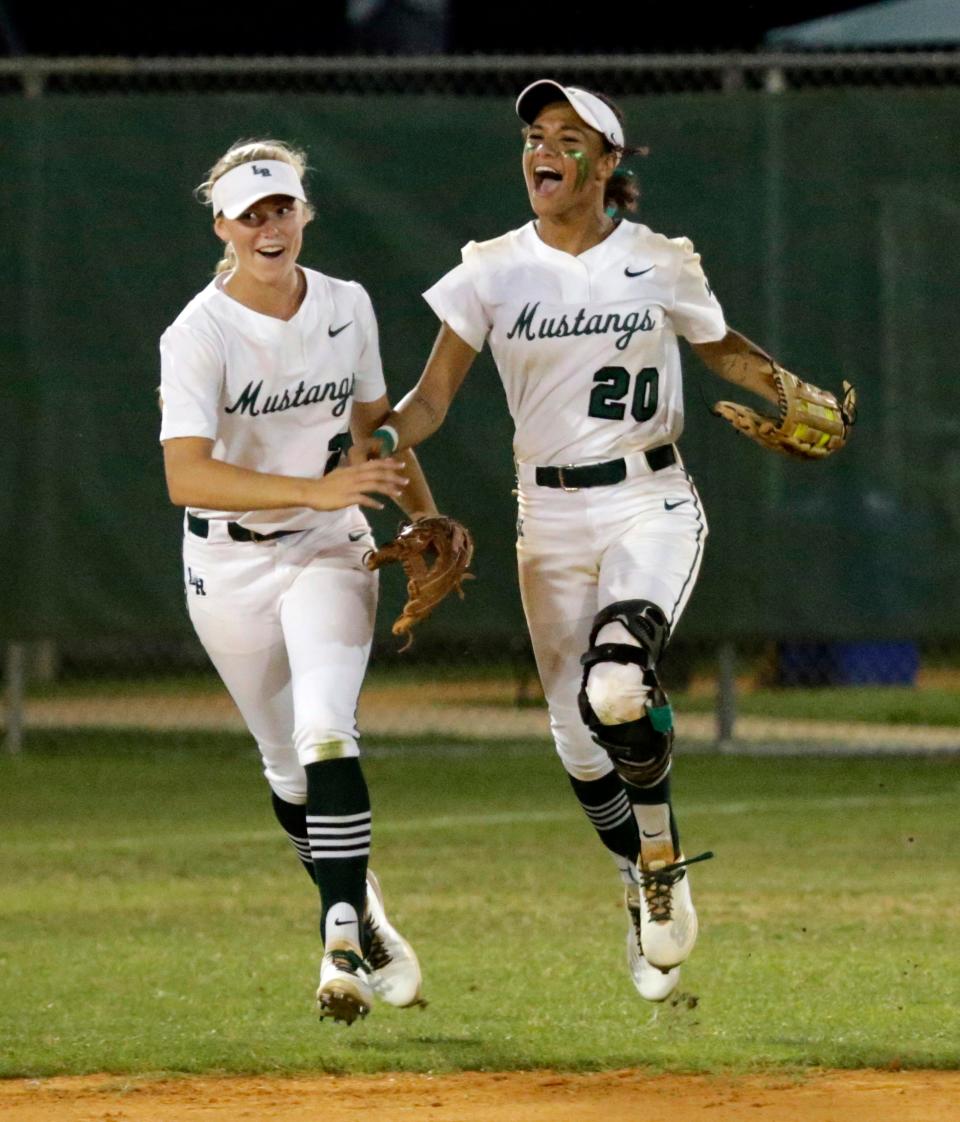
{"x": 288, "y": 625}
{"x": 579, "y": 551}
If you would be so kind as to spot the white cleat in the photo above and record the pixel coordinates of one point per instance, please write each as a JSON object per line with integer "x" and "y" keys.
{"x": 652, "y": 984}
{"x": 395, "y": 972}
{"x": 344, "y": 993}
{"x": 668, "y": 919}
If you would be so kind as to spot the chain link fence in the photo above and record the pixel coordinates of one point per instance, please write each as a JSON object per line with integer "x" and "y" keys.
{"x": 779, "y": 697}
{"x": 487, "y": 76}
{"x": 889, "y": 688}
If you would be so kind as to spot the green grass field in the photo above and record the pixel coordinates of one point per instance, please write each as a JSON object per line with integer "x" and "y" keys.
{"x": 154, "y": 919}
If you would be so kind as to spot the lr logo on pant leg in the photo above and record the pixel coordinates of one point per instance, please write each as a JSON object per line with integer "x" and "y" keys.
{"x": 196, "y": 583}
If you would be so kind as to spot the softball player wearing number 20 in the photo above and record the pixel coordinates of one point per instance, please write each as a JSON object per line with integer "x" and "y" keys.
{"x": 582, "y": 314}
{"x": 265, "y": 375}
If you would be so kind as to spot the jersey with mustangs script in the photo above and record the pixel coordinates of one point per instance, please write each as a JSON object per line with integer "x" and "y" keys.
{"x": 273, "y": 395}
{"x": 586, "y": 346}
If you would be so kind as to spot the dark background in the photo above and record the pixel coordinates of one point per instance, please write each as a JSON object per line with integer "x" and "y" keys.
{"x": 326, "y": 27}
{"x": 828, "y": 223}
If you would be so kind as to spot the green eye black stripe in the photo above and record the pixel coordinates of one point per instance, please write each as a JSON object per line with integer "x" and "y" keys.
{"x": 583, "y": 167}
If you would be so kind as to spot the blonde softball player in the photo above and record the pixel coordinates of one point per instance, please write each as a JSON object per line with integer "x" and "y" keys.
{"x": 266, "y": 373}
{"x": 582, "y": 313}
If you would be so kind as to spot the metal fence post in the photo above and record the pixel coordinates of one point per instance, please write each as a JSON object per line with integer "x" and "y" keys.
{"x": 14, "y": 673}
{"x": 726, "y": 695}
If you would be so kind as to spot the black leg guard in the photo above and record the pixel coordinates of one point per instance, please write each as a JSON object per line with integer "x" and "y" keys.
{"x": 641, "y": 750}
{"x": 640, "y": 753}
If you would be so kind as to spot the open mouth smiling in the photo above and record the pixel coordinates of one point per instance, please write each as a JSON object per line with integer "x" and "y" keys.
{"x": 545, "y": 179}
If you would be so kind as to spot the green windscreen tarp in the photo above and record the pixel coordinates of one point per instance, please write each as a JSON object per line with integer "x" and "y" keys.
{"x": 829, "y": 224}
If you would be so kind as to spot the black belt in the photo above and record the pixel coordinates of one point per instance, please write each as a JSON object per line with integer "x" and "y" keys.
{"x": 572, "y": 478}
{"x": 201, "y": 527}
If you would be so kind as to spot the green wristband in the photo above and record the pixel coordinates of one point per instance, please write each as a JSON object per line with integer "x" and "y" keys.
{"x": 387, "y": 435}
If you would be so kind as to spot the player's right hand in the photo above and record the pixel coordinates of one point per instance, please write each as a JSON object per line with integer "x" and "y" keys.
{"x": 367, "y": 448}
{"x": 357, "y": 483}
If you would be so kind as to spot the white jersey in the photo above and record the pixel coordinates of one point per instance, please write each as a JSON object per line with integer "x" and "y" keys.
{"x": 586, "y": 346}
{"x": 274, "y": 396}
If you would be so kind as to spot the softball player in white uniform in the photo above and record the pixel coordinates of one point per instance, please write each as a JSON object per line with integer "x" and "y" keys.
{"x": 266, "y": 373}
{"x": 582, "y": 313}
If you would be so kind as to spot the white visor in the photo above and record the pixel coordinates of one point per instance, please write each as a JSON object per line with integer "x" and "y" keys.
{"x": 591, "y": 109}
{"x": 242, "y": 186}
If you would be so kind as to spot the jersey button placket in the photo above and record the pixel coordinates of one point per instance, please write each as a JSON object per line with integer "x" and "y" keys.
{"x": 576, "y": 282}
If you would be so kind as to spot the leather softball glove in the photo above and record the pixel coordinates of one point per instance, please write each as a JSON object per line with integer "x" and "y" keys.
{"x": 812, "y": 424}
{"x": 435, "y": 553}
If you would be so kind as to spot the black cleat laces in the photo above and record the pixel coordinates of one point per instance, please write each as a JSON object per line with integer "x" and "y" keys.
{"x": 657, "y": 884}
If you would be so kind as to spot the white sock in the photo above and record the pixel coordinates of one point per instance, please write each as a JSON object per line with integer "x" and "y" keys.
{"x": 628, "y": 871}
{"x": 342, "y": 925}
{"x": 653, "y": 820}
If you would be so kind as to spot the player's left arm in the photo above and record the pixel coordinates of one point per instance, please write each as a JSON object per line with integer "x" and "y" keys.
{"x": 416, "y": 499}
{"x": 736, "y": 359}
{"x": 810, "y": 423}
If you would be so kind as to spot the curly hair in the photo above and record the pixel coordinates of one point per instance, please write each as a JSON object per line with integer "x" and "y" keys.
{"x": 623, "y": 190}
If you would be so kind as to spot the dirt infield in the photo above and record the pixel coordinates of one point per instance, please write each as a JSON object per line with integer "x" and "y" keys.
{"x": 541, "y": 1096}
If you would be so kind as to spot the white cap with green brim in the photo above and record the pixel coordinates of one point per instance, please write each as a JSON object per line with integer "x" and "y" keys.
{"x": 239, "y": 188}
{"x": 591, "y": 109}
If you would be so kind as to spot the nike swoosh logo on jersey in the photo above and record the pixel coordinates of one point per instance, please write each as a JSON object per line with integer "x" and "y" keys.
{"x": 343, "y": 922}
{"x": 658, "y": 834}
{"x": 667, "y": 505}
{"x": 332, "y": 331}
{"x": 627, "y": 273}
{"x": 356, "y": 535}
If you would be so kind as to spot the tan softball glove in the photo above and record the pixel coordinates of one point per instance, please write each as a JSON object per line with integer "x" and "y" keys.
{"x": 812, "y": 423}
